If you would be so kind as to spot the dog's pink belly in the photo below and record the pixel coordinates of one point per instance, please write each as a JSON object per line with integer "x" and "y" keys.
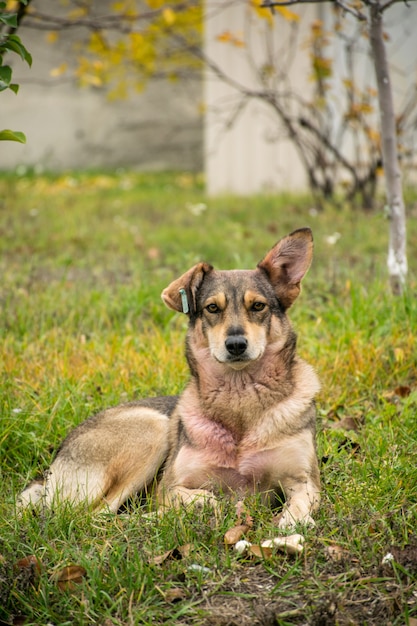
{"x": 196, "y": 469}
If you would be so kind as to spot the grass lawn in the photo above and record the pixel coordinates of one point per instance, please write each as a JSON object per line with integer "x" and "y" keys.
{"x": 83, "y": 260}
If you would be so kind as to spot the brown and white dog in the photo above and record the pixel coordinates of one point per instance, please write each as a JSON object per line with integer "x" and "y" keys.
{"x": 245, "y": 422}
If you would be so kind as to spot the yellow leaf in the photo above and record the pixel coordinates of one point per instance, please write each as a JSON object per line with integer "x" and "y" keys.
{"x": 366, "y": 108}
{"x": 264, "y": 14}
{"x": 169, "y": 16}
{"x": 77, "y": 12}
{"x": 225, "y": 36}
{"x": 373, "y": 135}
{"x": 228, "y": 37}
{"x": 287, "y": 14}
{"x": 59, "y": 71}
{"x": 52, "y": 36}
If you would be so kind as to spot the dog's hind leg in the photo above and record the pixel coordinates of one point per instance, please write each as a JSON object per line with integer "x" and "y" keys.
{"x": 108, "y": 458}
{"x": 31, "y": 495}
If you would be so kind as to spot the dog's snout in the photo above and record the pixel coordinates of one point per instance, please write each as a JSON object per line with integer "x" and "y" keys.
{"x": 236, "y": 345}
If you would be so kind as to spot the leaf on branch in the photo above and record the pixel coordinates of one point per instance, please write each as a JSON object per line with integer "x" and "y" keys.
{"x": 59, "y": 71}
{"x": 14, "y": 44}
{"x": 78, "y": 12}
{"x": 262, "y": 12}
{"x": 9, "y": 19}
{"x": 290, "y": 16}
{"x": 5, "y": 77}
{"x": 12, "y": 135}
{"x": 169, "y": 16}
{"x": 52, "y": 37}
{"x": 322, "y": 67}
{"x": 228, "y": 37}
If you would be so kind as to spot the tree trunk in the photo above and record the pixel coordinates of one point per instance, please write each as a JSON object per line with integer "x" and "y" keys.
{"x": 397, "y": 255}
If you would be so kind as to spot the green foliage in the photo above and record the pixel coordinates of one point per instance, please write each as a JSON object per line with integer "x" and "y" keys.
{"x": 83, "y": 259}
{"x": 10, "y": 42}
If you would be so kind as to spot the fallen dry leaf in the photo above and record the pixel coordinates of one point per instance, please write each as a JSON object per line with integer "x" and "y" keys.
{"x": 31, "y": 567}
{"x": 243, "y": 514}
{"x": 174, "y": 594}
{"x": 175, "y": 554}
{"x": 70, "y": 576}
{"x": 233, "y": 535}
{"x": 336, "y": 552}
{"x": 347, "y": 423}
{"x": 160, "y": 558}
{"x": 403, "y": 391}
{"x": 261, "y": 551}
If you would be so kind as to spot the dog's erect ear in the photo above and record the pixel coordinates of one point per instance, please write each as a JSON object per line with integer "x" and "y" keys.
{"x": 180, "y": 295}
{"x": 287, "y": 263}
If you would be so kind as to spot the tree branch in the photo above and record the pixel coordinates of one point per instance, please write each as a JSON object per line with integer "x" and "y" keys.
{"x": 388, "y": 3}
{"x": 270, "y": 4}
{"x": 115, "y": 21}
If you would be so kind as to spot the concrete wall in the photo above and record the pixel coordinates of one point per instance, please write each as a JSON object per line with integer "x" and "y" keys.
{"x": 69, "y": 127}
{"x": 242, "y": 149}
{"x": 248, "y": 150}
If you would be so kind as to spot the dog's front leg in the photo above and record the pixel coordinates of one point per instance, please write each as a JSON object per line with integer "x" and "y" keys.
{"x": 183, "y": 496}
{"x": 186, "y": 480}
{"x": 302, "y": 499}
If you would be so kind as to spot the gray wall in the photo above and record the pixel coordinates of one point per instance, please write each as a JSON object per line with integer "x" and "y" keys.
{"x": 69, "y": 127}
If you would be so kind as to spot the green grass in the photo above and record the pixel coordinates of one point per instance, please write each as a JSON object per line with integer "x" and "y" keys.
{"x": 83, "y": 259}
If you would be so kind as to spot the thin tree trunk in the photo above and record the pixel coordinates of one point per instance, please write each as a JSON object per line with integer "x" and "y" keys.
{"x": 397, "y": 255}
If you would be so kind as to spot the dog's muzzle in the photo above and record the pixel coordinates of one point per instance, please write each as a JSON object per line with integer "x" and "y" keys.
{"x": 236, "y": 345}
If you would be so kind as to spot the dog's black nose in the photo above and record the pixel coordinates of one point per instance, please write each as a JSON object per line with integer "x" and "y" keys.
{"x": 236, "y": 345}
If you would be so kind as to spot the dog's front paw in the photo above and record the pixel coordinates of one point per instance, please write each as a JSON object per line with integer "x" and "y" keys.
{"x": 182, "y": 496}
{"x": 289, "y": 519}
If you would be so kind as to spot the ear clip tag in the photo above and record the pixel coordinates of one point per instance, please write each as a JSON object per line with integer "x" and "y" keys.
{"x": 184, "y": 301}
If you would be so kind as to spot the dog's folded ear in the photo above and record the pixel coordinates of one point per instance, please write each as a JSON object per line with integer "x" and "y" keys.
{"x": 181, "y": 294}
{"x": 287, "y": 263}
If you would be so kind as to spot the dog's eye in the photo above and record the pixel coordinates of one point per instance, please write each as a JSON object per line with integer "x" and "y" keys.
{"x": 258, "y": 306}
{"x": 212, "y": 308}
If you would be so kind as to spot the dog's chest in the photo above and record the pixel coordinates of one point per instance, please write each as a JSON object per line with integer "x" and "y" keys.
{"x": 210, "y": 444}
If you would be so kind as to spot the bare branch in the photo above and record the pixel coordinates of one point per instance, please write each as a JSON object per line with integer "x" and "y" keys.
{"x": 351, "y": 10}
{"x": 389, "y": 3}
{"x": 270, "y": 4}
{"x": 116, "y": 21}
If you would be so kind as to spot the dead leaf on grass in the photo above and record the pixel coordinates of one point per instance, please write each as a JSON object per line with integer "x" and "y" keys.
{"x": 403, "y": 391}
{"x": 243, "y": 515}
{"x": 29, "y": 565}
{"x": 233, "y": 535}
{"x": 176, "y": 554}
{"x": 349, "y": 446}
{"x": 335, "y": 552}
{"x": 174, "y": 594}
{"x": 348, "y": 423}
{"x": 69, "y": 576}
{"x": 260, "y": 552}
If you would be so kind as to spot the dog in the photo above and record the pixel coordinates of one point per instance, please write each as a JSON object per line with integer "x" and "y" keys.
{"x": 245, "y": 422}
